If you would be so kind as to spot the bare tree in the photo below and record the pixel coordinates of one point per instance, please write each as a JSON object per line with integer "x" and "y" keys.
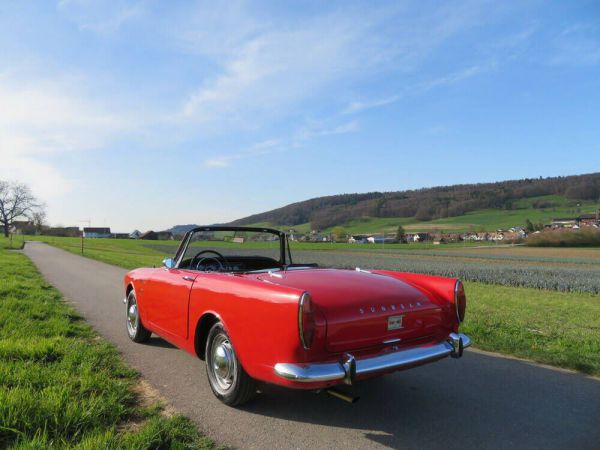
{"x": 39, "y": 219}
{"x": 16, "y": 200}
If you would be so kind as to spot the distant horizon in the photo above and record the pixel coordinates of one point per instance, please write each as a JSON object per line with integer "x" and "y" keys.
{"x": 145, "y": 114}
{"x": 190, "y": 223}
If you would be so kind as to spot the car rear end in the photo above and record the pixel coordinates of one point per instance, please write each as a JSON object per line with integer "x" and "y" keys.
{"x": 357, "y": 324}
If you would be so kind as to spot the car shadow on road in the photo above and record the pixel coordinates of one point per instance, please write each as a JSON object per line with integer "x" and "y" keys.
{"x": 156, "y": 341}
{"x": 481, "y": 401}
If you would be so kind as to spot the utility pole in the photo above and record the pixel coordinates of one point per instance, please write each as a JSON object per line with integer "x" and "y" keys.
{"x": 89, "y": 223}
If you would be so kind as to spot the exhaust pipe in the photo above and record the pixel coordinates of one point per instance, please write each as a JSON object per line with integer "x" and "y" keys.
{"x": 342, "y": 395}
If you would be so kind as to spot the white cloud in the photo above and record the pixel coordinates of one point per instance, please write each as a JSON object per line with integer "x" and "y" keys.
{"x": 269, "y": 67}
{"x": 261, "y": 148}
{"x": 40, "y": 119}
{"x": 454, "y": 77}
{"x": 577, "y": 45}
{"x": 357, "y": 106}
{"x": 102, "y": 18}
{"x": 217, "y": 162}
{"x": 312, "y": 132}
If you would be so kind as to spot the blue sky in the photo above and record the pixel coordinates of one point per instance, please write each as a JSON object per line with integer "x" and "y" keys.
{"x": 148, "y": 114}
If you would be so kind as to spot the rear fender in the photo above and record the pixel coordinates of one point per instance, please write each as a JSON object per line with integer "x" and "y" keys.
{"x": 439, "y": 290}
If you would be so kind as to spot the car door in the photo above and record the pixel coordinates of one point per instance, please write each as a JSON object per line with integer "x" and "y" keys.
{"x": 168, "y": 294}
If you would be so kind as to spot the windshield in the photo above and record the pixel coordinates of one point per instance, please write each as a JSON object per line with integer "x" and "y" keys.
{"x": 232, "y": 251}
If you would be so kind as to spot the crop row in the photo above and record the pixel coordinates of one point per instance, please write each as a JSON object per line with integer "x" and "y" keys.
{"x": 481, "y": 255}
{"x": 554, "y": 278}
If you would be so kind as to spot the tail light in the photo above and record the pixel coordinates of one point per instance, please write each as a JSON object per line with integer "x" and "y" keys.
{"x": 306, "y": 320}
{"x": 460, "y": 301}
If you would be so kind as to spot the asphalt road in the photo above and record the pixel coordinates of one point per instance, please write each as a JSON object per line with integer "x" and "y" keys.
{"x": 481, "y": 401}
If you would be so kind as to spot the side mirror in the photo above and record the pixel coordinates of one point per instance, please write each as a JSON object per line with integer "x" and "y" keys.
{"x": 168, "y": 263}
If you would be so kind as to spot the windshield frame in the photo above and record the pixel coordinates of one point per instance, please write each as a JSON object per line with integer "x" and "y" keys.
{"x": 186, "y": 240}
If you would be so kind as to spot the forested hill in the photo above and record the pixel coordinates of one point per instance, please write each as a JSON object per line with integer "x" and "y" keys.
{"x": 428, "y": 203}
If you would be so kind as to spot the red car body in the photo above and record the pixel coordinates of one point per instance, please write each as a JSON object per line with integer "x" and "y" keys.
{"x": 363, "y": 323}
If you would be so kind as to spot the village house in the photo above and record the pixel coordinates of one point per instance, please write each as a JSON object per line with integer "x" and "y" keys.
{"x": 96, "y": 232}
{"x": 164, "y": 236}
{"x": 149, "y": 236}
{"x": 62, "y": 231}
{"x": 135, "y": 234}
{"x": 22, "y": 227}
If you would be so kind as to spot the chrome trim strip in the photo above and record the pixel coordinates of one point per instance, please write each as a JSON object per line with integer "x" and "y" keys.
{"x": 308, "y": 373}
{"x": 319, "y": 372}
{"x": 300, "y": 324}
{"x": 456, "y": 289}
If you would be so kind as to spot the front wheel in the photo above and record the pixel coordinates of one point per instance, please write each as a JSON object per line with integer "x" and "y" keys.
{"x": 135, "y": 329}
{"x": 227, "y": 378}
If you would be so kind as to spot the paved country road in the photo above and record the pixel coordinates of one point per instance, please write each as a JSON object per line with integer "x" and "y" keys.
{"x": 480, "y": 402}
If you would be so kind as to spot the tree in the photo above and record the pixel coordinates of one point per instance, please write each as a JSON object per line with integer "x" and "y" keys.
{"x": 339, "y": 234}
{"x": 39, "y": 219}
{"x": 400, "y": 234}
{"x": 16, "y": 200}
{"x": 529, "y": 226}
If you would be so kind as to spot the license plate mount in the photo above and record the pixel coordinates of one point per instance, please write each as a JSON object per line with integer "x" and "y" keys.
{"x": 395, "y": 322}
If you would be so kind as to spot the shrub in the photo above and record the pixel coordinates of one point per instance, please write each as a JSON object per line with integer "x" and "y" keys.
{"x": 565, "y": 238}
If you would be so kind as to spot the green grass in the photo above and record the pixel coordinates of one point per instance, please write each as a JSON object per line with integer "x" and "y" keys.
{"x": 12, "y": 242}
{"x": 61, "y": 385}
{"x": 561, "y": 329}
{"x": 130, "y": 254}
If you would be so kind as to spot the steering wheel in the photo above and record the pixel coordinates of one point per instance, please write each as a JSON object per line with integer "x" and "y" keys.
{"x": 220, "y": 259}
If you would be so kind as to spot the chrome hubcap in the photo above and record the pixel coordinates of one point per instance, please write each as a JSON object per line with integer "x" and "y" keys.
{"x": 132, "y": 316}
{"x": 222, "y": 363}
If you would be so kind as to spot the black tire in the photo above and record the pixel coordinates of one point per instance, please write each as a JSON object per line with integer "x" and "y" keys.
{"x": 227, "y": 378}
{"x": 133, "y": 322}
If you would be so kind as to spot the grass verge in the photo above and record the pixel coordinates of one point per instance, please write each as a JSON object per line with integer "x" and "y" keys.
{"x": 61, "y": 385}
{"x": 556, "y": 328}
{"x": 12, "y": 242}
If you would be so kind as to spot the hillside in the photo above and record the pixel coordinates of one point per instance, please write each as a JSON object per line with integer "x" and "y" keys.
{"x": 483, "y": 206}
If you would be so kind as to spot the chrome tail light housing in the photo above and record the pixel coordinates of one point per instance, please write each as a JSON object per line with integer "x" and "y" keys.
{"x": 460, "y": 301}
{"x": 306, "y": 320}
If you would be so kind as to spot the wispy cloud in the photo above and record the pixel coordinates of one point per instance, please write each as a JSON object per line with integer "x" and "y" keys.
{"x": 269, "y": 146}
{"x": 261, "y": 148}
{"x": 357, "y": 106}
{"x": 577, "y": 45}
{"x": 41, "y": 119}
{"x": 105, "y": 18}
{"x": 454, "y": 77}
{"x": 268, "y": 68}
{"x": 319, "y": 130}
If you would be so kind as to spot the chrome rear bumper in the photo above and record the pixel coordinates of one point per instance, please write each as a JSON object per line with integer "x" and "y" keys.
{"x": 348, "y": 369}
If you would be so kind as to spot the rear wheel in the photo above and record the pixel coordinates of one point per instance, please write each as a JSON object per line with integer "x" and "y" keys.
{"x": 227, "y": 378}
{"x": 135, "y": 329}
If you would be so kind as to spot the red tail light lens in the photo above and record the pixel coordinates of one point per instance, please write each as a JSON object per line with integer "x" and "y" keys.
{"x": 306, "y": 320}
{"x": 460, "y": 301}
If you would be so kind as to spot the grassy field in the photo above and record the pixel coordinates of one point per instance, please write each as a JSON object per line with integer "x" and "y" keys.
{"x": 62, "y": 386}
{"x": 13, "y": 242}
{"x": 557, "y": 328}
{"x": 482, "y": 220}
{"x": 545, "y": 325}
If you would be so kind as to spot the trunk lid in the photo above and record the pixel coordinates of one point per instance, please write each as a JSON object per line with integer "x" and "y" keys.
{"x": 364, "y": 309}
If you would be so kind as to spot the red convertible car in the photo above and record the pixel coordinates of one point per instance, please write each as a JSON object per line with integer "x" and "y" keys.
{"x": 233, "y": 297}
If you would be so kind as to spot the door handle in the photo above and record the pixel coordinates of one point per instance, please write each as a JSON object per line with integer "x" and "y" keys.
{"x": 188, "y": 278}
